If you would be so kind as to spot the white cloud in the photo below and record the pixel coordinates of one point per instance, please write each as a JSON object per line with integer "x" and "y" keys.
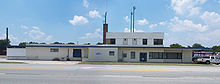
{"x": 162, "y": 23}
{"x": 135, "y": 30}
{"x": 85, "y": 3}
{"x": 212, "y": 19}
{"x": 36, "y": 27}
{"x": 177, "y": 25}
{"x": 49, "y": 38}
{"x": 126, "y": 19}
{"x": 94, "y": 14}
{"x": 219, "y": 1}
{"x": 209, "y": 37}
{"x": 96, "y": 34}
{"x": 37, "y": 35}
{"x": 152, "y": 26}
{"x": 158, "y": 24}
{"x": 142, "y": 22}
{"x": 187, "y": 7}
{"x": 24, "y": 26}
{"x": 77, "y": 20}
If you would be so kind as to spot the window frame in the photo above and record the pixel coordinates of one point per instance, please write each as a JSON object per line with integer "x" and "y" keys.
{"x": 179, "y": 55}
{"x": 123, "y": 55}
{"x": 158, "y": 41}
{"x": 133, "y": 55}
{"x": 54, "y": 49}
{"x": 111, "y": 53}
{"x": 156, "y": 55}
{"x": 143, "y": 42}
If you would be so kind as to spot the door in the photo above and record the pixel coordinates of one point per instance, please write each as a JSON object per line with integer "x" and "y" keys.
{"x": 77, "y": 53}
{"x": 143, "y": 57}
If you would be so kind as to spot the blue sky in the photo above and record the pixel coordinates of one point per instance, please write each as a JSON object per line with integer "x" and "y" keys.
{"x": 183, "y": 21}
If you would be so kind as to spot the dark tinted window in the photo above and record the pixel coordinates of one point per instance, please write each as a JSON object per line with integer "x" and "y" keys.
{"x": 132, "y": 55}
{"x": 205, "y": 57}
{"x": 172, "y": 55}
{"x": 124, "y": 55}
{"x": 156, "y": 55}
{"x": 144, "y": 41}
{"x": 158, "y": 41}
{"x": 112, "y": 41}
{"x": 54, "y": 50}
{"x": 111, "y": 53}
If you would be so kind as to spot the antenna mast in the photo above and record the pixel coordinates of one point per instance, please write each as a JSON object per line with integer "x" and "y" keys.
{"x": 133, "y": 16}
{"x": 105, "y": 16}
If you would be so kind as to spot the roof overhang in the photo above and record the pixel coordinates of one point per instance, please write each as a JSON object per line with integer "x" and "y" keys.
{"x": 107, "y": 46}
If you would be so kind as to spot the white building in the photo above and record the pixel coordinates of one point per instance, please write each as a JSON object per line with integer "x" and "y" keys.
{"x": 119, "y": 47}
{"x": 154, "y": 39}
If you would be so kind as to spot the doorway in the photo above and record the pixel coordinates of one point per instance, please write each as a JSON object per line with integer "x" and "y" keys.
{"x": 143, "y": 57}
{"x": 77, "y": 53}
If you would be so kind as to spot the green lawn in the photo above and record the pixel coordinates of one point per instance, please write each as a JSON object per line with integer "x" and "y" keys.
{"x": 142, "y": 63}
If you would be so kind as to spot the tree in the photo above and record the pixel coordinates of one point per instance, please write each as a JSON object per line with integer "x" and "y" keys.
{"x": 216, "y": 49}
{"x": 43, "y": 43}
{"x": 57, "y": 43}
{"x": 3, "y": 44}
{"x": 176, "y": 45}
{"x": 189, "y": 46}
{"x": 70, "y": 43}
{"x": 99, "y": 43}
{"x": 86, "y": 43}
{"x": 33, "y": 43}
{"x": 196, "y": 45}
{"x": 23, "y": 44}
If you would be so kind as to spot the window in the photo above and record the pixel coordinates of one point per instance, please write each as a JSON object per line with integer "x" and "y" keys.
{"x": 125, "y": 41}
{"x": 156, "y": 55}
{"x": 134, "y": 41}
{"x": 158, "y": 41}
{"x": 111, "y": 53}
{"x": 124, "y": 55}
{"x": 172, "y": 55}
{"x": 110, "y": 41}
{"x": 54, "y": 50}
{"x": 144, "y": 41}
{"x": 132, "y": 55}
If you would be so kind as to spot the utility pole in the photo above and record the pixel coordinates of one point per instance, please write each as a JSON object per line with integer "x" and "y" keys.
{"x": 131, "y": 21}
{"x": 7, "y": 41}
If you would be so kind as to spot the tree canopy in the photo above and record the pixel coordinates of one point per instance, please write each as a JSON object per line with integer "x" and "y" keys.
{"x": 57, "y": 43}
{"x": 3, "y": 44}
{"x": 176, "y": 45}
{"x": 196, "y": 45}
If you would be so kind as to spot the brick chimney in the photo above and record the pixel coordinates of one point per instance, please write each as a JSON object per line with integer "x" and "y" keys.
{"x": 105, "y": 29}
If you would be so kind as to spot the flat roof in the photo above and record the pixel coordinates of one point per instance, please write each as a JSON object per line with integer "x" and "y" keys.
{"x": 101, "y": 46}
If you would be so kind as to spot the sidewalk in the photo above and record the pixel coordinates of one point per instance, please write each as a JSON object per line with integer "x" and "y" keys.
{"x": 3, "y": 59}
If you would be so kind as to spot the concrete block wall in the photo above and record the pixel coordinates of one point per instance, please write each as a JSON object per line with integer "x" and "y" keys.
{"x": 102, "y": 54}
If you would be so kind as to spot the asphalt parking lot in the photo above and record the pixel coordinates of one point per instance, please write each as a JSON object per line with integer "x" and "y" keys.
{"x": 107, "y": 74}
